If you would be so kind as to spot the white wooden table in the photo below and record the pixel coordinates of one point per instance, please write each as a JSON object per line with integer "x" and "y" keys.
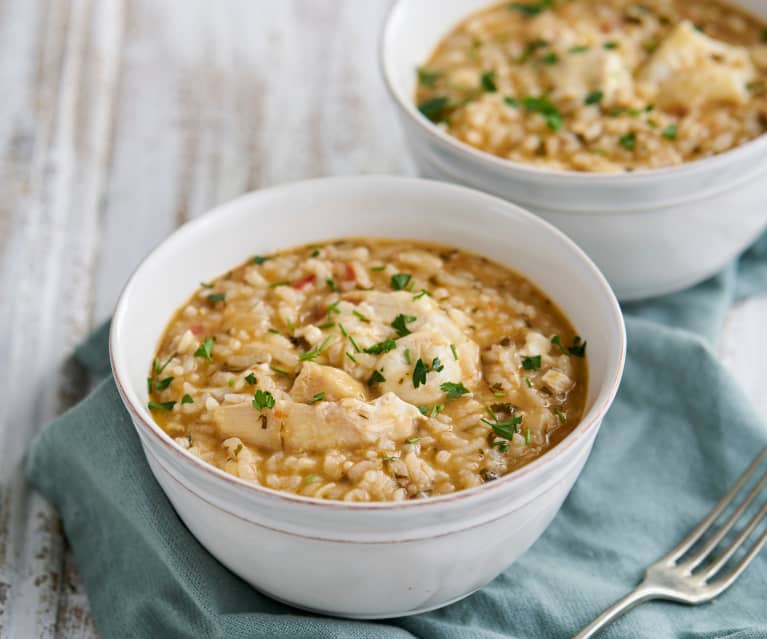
{"x": 120, "y": 120}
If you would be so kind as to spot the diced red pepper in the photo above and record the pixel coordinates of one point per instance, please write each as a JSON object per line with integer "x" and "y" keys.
{"x": 304, "y": 281}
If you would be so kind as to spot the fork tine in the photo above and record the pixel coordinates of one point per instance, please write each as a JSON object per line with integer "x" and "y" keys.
{"x": 726, "y": 581}
{"x": 713, "y": 541}
{"x": 704, "y": 525}
{"x": 737, "y": 543}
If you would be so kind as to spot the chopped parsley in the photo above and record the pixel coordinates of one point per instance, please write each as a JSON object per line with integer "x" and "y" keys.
{"x": 206, "y": 285}
{"x": 251, "y": 379}
{"x": 610, "y": 44}
{"x": 414, "y": 440}
{"x": 531, "y": 362}
{"x": 528, "y": 382}
{"x": 375, "y": 378}
{"x": 408, "y": 359}
{"x": 400, "y": 281}
{"x": 257, "y": 259}
{"x": 430, "y": 412}
{"x": 273, "y": 331}
{"x": 506, "y": 429}
{"x": 423, "y": 293}
{"x": 428, "y": 78}
{"x": 595, "y": 97}
{"x": 531, "y": 48}
{"x": 419, "y": 373}
{"x": 310, "y": 479}
{"x": 316, "y": 253}
{"x": 163, "y": 383}
{"x": 512, "y": 102}
{"x": 382, "y": 347}
{"x": 149, "y": 385}
{"x": 377, "y": 268}
{"x": 560, "y": 415}
{"x": 216, "y": 297}
{"x": 454, "y": 352}
{"x": 527, "y": 436}
{"x": 628, "y": 141}
{"x": 399, "y": 324}
{"x": 453, "y": 390}
{"x": 531, "y": 9}
{"x": 351, "y": 357}
{"x": 230, "y": 382}
{"x": 333, "y": 308}
{"x": 435, "y": 109}
{"x": 497, "y": 394}
{"x": 187, "y": 399}
{"x": 317, "y": 397}
{"x": 326, "y": 325}
{"x": 546, "y": 108}
{"x": 389, "y": 458}
{"x": 350, "y": 338}
{"x": 437, "y": 365}
{"x": 279, "y": 371}
{"x": 581, "y": 48}
{"x": 670, "y": 132}
{"x": 487, "y": 80}
{"x": 315, "y": 352}
{"x": 578, "y": 348}
{"x": 331, "y": 285}
{"x": 161, "y": 405}
{"x": 550, "y": 58}
{"x": 501, "y": 445}
{"x": 360, "y": 316}
{"x": 160, "y": 367}
{"x": 281, "y": 283}
{"x": 263, "y": 399}
{"x": 205, "y": 349}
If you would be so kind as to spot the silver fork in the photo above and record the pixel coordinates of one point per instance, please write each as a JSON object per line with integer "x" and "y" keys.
{"x": 672, "y": 577}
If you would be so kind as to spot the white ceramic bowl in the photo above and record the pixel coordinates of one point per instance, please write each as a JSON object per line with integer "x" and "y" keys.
{"x": 380, "y": 559}
{"x": 650, "y": 232}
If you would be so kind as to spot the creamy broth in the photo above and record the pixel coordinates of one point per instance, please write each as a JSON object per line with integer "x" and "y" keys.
{"x": 607, "y": 86}
{"x": 369, "y": 370}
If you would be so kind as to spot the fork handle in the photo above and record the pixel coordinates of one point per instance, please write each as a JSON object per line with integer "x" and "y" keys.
{"x": 620, "y": 607}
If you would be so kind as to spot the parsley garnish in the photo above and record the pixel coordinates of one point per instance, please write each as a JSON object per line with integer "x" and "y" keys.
{"x": 360, "y": 316}
{"x": 331, "y": 285}
{"x": 560, "y": 415}
{"x": 531, "y": 362}
{"x": 205, "y": 349}
{"x": 315, "y": 352}
{"x": 454, "y": 352}
{"x": 206, "y": 285}
{"x": 512, "y": 102}
{"x": 326, "y": 325}
{"x": 333, "y": 308}
{"x": 436, "y": 365}
{"x": 527, "y": 436}
{"x": 274, "y": 331}
{"x": 351, "y": 357}
{"x": 528, "y": 382}
{"x": 487, "y": 80}
{"x": 316, "y": 253}
{"x": 399, "y": 324}
{"x": 375, "y": 378}
{"x": 377, "y": 268}
{"x": 161, "y": 405}
{"x": 670, "y": 132}
{"x": 423, "y": 293}
{"x": 279, "y": 371}
{"x": 547, "y": 109}
{"x": 419, "y": 373}
{"x": 349, "y": 337}
{"x": 531, "y": 9}
{"x": 149, "y": 385}
{"x": 611, "y": 44}
{"x": 317, "y": 397}
{"x": 310, "y": 478}
{"x": 506, "y": 429}
{"x": 628, "y": 141}
{"x": 257, "y": 259}
{"x": 578, "y": 349}
{"x": 263, "y": 399}
{"x": 550, "y": 58}
{"x": 501, "y": 445}
{"x": 407, "y": 357}
{"x": 382, "y": 347}
{"x": 216, "y": 297}
{"x": 158, "y": 367}
{"x": 164, "y": 383}
{"x": 414, "y": 440}
{"x": 187, "y": 399}
{"x": 400, "y": 281}
{"x": 427, "y": 78}
{"x": 251, "y": 379}
{"x": 435, "y": 109}
{"x": 595, "y": 97}
{"x": 453, "y": 389}
{"x": 281, "y": 283}
{"x": 582, "y": 48}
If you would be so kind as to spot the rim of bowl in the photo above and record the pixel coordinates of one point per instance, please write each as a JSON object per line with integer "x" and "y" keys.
{"x": 593, "y": 416}
{"x": 712, "y": 162}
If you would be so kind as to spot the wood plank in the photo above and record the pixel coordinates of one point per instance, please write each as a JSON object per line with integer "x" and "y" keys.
{"x": 54, "y": 229}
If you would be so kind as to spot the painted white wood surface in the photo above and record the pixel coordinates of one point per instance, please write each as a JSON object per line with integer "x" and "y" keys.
{"x": 121, "y": 119}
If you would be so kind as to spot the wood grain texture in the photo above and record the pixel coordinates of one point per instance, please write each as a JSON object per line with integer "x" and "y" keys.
{"x": 120, "y": 120}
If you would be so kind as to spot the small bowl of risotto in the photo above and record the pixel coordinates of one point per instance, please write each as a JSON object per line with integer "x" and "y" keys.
{"x": 347, "y": 378}
{"x": 635, "y": 127}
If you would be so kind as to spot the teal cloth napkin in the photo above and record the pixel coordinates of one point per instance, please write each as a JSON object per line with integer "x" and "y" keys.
{"x": 677, "y": 436}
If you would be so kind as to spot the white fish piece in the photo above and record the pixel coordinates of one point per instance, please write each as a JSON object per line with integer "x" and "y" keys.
{"x": 690, "y": 66}
{"x": 557, "y": 381}
{"x": 333, "y": 382}
{"x": 575, "y": 76}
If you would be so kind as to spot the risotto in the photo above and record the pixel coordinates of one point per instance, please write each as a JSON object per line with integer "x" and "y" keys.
{"x": 368, "y": 370}
{"x": 609, "y": 86}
